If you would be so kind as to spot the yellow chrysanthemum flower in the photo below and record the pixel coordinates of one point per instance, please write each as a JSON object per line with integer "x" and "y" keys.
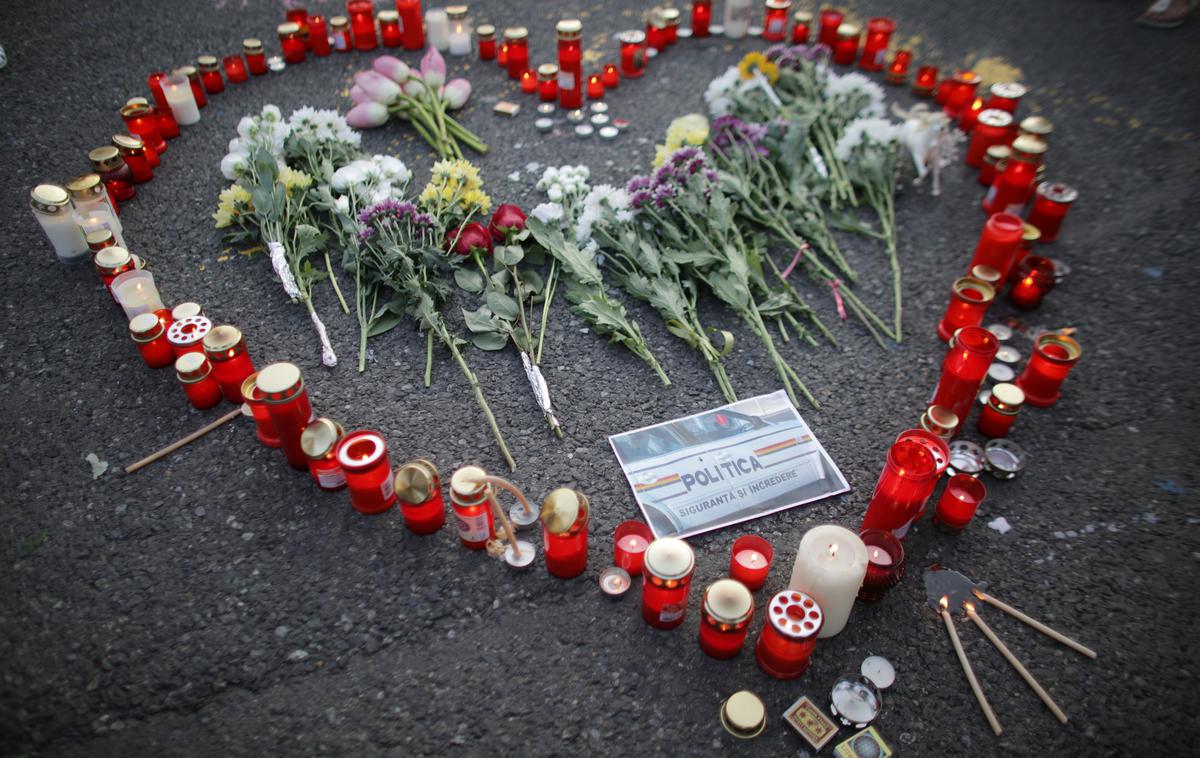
{"x": 476, "y": 199}
{"x": 691, "y": 129}
{"x": 235, "y": 200}
{"x": 757, "y": 62}
{"x": 291, "y": 179}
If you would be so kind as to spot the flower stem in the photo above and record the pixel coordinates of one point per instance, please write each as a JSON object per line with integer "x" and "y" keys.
{"x": 333, "y": 280}
{"x": 449, "y": 342}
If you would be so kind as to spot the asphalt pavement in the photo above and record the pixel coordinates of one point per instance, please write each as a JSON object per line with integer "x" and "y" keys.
{"x": 217, "y": 603}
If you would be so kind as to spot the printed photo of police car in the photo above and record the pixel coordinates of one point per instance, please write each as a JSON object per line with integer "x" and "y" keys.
{"x": 720, "y": 467}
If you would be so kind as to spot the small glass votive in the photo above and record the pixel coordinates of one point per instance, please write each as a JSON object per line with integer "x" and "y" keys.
{"x": 363, "y": 455}
{"x": 750, "y": 561}
{"x": 725, "y": 618}
{"x": 150, "y": 336}
{"x": 925, "y": 80}
{"x": 195, "y": 376}
{"x": 136, "y": 294}
{"x": 610, "y": 77}
{"x": 666, "y": 579}
{"x": 958, "y": 503}
{"x": 564, "y": 517}
{"x": 1054, "y": 355}
{"x": 630, "y": 540}
{"x": 885, "y": 567}
{"x": 1001, "y": 410}
{"x": 1034, "y": 280}
{"x": 897, "y": 70}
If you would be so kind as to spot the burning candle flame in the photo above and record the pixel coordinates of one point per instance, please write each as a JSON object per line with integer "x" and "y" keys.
{"x": 833, "y": 548}
{"x": 969, "y": 606}
{"x": 1067, "y": 330}
{"x": 944, "y": 602}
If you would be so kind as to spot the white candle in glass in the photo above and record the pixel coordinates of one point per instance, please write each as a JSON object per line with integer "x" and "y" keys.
{"x": 52, "y": 207}
{"x": 830, "y": 566}
{"x": 136, "y": 293}
{"x": 437, "y": 28}
{"x": 178, "y": 91}
{"x": 460, "y": 33}
{"x": 97, "y": 218}
{"x": 737, "y": 22}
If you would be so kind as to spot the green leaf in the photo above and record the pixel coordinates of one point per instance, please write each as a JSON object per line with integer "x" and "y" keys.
{"x": 531, "y": 282}
{"x": 503, "y": 305}
{"x": 509, "y": 255}
{"x": 385, "y": 322}
{"x": 469, "y": 279}
{"x": 480, "y": 320}
{"x": 489, "y": 340}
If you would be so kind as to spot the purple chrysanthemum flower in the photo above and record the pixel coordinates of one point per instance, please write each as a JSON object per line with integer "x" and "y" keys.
{"x": 637, "y": 184}
{"x": 695, "y": 166}
{"x": 710, "y": 175}
{"x": 683, "y": 155}
{"x": 664, "y": 174}
{"x": 365, "y": 233}
{"x": 639, "y": 198}
{"x": 663, "y": 193}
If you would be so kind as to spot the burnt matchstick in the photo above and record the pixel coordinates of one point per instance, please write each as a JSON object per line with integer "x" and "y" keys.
{"x": 966, "y": 667}
{"x": 186, "y": 440}
{"x": 1033, "y": 683}
{"x": 1052, "y": 634}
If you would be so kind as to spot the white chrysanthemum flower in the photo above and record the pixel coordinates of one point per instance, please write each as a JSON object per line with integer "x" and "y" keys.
{"x": 348, "y": 176}
{"x": 342, "y": 203}
{"x": 234, "y": 165}
{"x": 853, "y": 86}
{"x": 555, "y": 193}
{"x": 245, "y": 127}
{"x": 393, "y": 169}
{"x": 548, "y": 213}
{"x": 719, "y": 91}
{"x": 271, "y": 113}
{"x": 876, "y": 131}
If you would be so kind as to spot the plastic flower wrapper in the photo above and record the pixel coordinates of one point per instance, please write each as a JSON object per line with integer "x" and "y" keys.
{"x": 553, "y": 226}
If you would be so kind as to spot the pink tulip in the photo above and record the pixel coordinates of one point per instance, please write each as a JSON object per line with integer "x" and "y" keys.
{"x": 433, "y": 67}
{"x": 455, "y": 93}
{"x": 391, "y": 67}
{"x": 377, "y": 86}
{"x": 413, "y": 87}
{"x": 359, "y": 96}
{"x": 367, "y": 115}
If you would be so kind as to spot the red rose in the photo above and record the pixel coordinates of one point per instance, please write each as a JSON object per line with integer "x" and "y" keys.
{"x": 472, "y": 238}
{"x": 508, "y": 220}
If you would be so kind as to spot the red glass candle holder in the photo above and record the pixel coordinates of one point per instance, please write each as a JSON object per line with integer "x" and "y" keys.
{"x": 516, "y": 45}
{"x": 1034, "y": 280}
{"x": 992, "y": 127}
{"x": 925, "y": 80}
{"x": 969, "y": 301}
{"x": 701, "y": 17}
{"x": 318, "y": 37}
{"x": 964, "y": 369}
{"x": 725, "y": 618}
{"x": 610, "y": 76}
{"x": 235, "y": 68}
{"x": 775, "y": 20}
{"x": 633, "y": 54}
{"x": 339, "y": 30}
{"x": 547, "y": 84}
{"x": 570, "y": 63}
{"x": 885, "y": 567}
{"x": 195, "y": 376}
{"x": 595, "y": 88}
{"x": 485, "y": 34}
{"x": 111, "y": 262}
{"x": 1054, "y": 355}
{"x": 299, "y": 16}
{"x": 529, "y": 83}
{"x": 1029, "y": 238}
{"x": 1050, "y": 205}
{"x": 960, "y": 92}
{"x": 136, "y": 156}
{"x": 320, "y": 440}
{"x": 187, "y": 335}
{"x": 1000, "y": 413}
{"x": 210, "y": 74}
{"x": 142, "y": 122}
{"x": 564, "y": 519}
{"x": 264, "y": 428}
{"x": 502, "y": 55}
{"x": 1014, "y": 185}
{"x": 994, "y": 160}
{"x": 412, "y": 22}
{"x": 998, "y": 243}
{"x": 630, "y": 540}
{"x": 291, "y": 43}
{"x": 98, "y": 240}
{"x": 789, "y": 635}
{"x": 750, "y": 561}
{"x": 256, "y": 59}
{"x": 282, "y": 389}
{"x": 938, "y": 445}
{"x": 970, "y": 116}
{"x": 845, "y": 49}
{"x": 419, "y": 490}
{"x": 226, "y": 350}
{"x": 958, "y": 502}
{"x": 667, "y": 571}
{"x": 907, "y": 472}
{"x": 118, "y": 179}
{"x": 389, "y": 28}
{"x": 150, "y": 336}
{"x": 472, "y": 504}
{"x": 830, "y": 19}
{"x": 363, "y": 455}
{"x": 897, "y": 70}
{"x": 1005, "y": 96}
{"x": 362, "y": 24}
{"x": 670, "y": 17}
{"x": 879, "y": 36}
{"x": 801, "y": 27}
{"x": 656, "y": 30}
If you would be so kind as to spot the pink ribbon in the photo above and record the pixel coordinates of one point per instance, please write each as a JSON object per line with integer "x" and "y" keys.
{"x": 837, "y": 296}
{"x": 795, "y": 260}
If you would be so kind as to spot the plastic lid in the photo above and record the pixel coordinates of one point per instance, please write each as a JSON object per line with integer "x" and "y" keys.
{"x": 222, "y": 338}
{"x": 144, "y": 325}
{"x": 185, "y": 310}
{"x": 569, "y": 27}
{"x": 1028, "y": 144}
{"x": 1008, "y": 394}
{"x": 728, "y": 601}
{"x": 1008, "y": 90}
{"x": 49, "y": 198}
{"x": 516, "y": 32}
{"x": 192, "y": 367}
{"x": 995, "y": 117}
{"x": 1039, "y": 125}
{"x": 111, "y": 257}
{"x": 670, "y": 558}
{"x": 795, "y": 615}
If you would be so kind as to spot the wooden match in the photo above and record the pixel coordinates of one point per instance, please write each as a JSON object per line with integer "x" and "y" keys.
{"x": 181, "y": 442}
{"x": 1052, "y": 634}
{"x": 1033, "y": 683}
{"x": 966, "y": 667}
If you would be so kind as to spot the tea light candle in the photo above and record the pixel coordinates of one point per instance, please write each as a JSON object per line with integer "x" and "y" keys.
{"x": 178, "y": 92}
{"x": 630, "y": 540}
{"x": 925, "y": 81}
{"x": 615, "y": 582}
{"x": 1035, "y": 279}
{"x": 885, "y": 568}
{"x": 595, "y": 87}
{"x": 830, "y": 566}
{"x": 897, "y": 71}
{"x": 528, "y": 82}
{"x": 750, "y": 561}
{"x": 958, "y": 503}
{"x": 136, "y": 293}
{"x": 1054, "y": 355}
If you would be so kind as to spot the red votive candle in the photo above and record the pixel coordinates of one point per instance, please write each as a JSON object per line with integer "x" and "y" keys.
{"x": 210, "y": 74}
{"x": 162, "y": 111}
{"x": 137, "y": 156}
{"x": 485, "y": 34}
{"x": 964, "y": 368}
{"x": 785, "y": 646}
{"x": 264, "y": 428}
{"x": 992, "y": 127}
{"x": 897, "y": 70}
{"x": 885, "y": 566}
{"x": 775, "y": 19}
{"x": 801, "y": 27}
{"x": 1050, "y": 205}
{"x": 925, "y": 81}
{"x": 936, "y": 442}
{"x": 845, "y": 49}
{"x": 282, "y": 390}
{"x": 318, "y": 36}
{"x": 570, "y": 63}
{"x": 291, "y": 43}
{"x": 413, "y": 24}
{"x": 363, "y": 456}
{"x": 656, "y": 30}
{"x": 339, "y": 27}
{"x": 529, "y": 83}
{"x": 1005, "y": 96}
{"x": 595, "y": 87}
{"x": 150, "y": 336}
{"x": 1028, "y": 238}
{"x": 1000, "y": 413}
{"x": 362, "y": 27}
{"x": 502, "y": 55}
{"x": 1034, "y": 280}
{"x": 256, "y": 60}
{"x": 564, "y": 519}
{"x": 195, "y": 375}
{"x": 907, "y": 472}
{"x": 958, "y": 502}
{"x": 118, "y": 179}
{"x": 320, "y": 440}
{"x": 516, "y": 39}
{"x": 960, "y": 93}
{"x": 472, "y": 504}
{"x": 299, "y": 16}
{"x": 111, "y": 262}
{"x": 547, "y": 75}
{"x": 142, "y": 122}
{"x": 235, "y": 68}
{"x": 998, "y": 243}
{"x": 725, "y": 618}
{"x": 633, "y": 54}
{"x": 750, "y": 561}
{"x": 389, "y": 28}
{"x": 995, "y": 158}
{"x": 969, "y": 301}
{"x": 630, "y": 540}
{"x": 1054, "y": 355}
{"x": 970, "y": 116}
{"x": 830, "y": 19}
{"x": 667, "y": 570}
{"x": 419, "y": 490}
{"x": 610, "y": 77}
{"x": 701, "y": 17}
{"x": 187, "y": 334}
{"x": 879, "y": 35}
{"x": 1014, "y": 185}
{"x": 226, "y": 351}
{"x": 670, "y": 17}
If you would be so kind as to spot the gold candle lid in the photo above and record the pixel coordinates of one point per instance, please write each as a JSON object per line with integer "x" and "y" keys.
{"x": 145, "y": 327}
{"x": 848, "y": 30}
{"x": 466, "y": 482}
{"x": 100, "y": 239}
{"x": 222, "y": 339}
{"x": 50, "y": 198}
{"x": 280, "y": 382}
{"x": 516, "y": 33}
{"x": 669, "y": 558}
{"x": 112, "y": 257}
{"x": 485, "y": 31}
{"x": 1037, "y": 125}
{"x": 287, "y": 29}
{"x": 105, "y": 158}
{"x": 802, "y": 17}
{"x": 319, "y": 438}
{"x": 207, "y": 62}
{"x": 998, "y": 152}
{"x": 337, "y": 22}
{"x": 252, "y": 45}
{"x": 743, "y": 715}
{"x": 386, "y": 16}
{"x": 728, "y": 601}
{"x": 456, "y": 12}
{"x": 547, "y": 71}
{"x": 127, "y": 144}
{"x": 1007, "y": 398}
{"x": 189, "y": 70}
{"x": 569, "y": 28}
{"x": 562, "y": 508}
{"x": 416, "y": 481}
{"x": 985, "y": 274}
{"x": 995, "y": 117}
{"x": 1008, "y": 90}
{"x": 1028, "y": 145}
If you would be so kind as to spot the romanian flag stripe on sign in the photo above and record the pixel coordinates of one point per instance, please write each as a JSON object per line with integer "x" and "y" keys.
{"x": 662, "y": 482}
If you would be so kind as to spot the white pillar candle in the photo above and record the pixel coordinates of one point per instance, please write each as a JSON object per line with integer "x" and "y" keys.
{"x": 437, "y": 29}
{"x": 52, "y": 207}
{"x": 460, "y": 33}
{"x": 178, "y": 91}
{"x": 830, "y": 566}
{"x": 136, "y": 293}
{"x": 737, "y": 21}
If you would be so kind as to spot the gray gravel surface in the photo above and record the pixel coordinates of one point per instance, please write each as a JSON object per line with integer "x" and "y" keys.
{"x": 217, "y": 603}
